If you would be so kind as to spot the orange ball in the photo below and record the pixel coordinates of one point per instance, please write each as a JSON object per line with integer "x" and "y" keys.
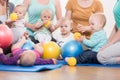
{"x": 71, "y": 61}
{"x": 51, "y": 50}
{"x": 13, "y": 16}
{"x": 47, "y": 24}
{"x": 77, "y": 35}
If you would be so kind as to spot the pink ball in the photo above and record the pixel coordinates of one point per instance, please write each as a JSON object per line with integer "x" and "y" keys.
{"x": 6, "y": 36}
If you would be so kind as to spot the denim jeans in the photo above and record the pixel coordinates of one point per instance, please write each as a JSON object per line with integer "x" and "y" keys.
{"x": 87, "y": 56}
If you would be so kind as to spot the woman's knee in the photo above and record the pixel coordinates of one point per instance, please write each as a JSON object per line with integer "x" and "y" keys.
{"x": 102, "y": 58}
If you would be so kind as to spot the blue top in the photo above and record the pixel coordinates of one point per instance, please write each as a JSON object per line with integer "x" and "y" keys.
{"x": 35, "y": 9}
{"x": 96, "y": 41}
{"x": 116, "y": 12}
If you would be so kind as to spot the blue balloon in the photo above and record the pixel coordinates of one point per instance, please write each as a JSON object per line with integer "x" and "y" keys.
{"x": 28, "y": 45}
{"x": 71, "y": 49}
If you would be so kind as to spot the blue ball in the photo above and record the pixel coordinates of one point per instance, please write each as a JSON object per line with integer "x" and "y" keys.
{"x": 71, "y": 49}
{"x": 28, "y": 45}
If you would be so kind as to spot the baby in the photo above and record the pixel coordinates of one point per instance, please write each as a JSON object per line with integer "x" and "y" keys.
{"x": 97, "y": 40}
{"x": 43, "y": 27}
{"x": 18, "y": 26}
{"x": 65, "y": 31}
{"x": 25, "y": 57}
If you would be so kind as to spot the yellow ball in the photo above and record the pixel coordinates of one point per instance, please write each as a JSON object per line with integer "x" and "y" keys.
{"x": 13, "y": 16}
{"x": 51, "y": 50}
{"x": 72, "y": 61}
{"x": 77, "y": 35}
{"x": 47, "y": 24}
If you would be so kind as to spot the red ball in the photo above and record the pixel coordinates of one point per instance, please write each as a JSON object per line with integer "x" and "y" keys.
{"x": 6, "y": 36}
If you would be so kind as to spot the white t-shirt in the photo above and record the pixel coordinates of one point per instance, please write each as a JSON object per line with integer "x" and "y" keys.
{"x": 62, "y": 40}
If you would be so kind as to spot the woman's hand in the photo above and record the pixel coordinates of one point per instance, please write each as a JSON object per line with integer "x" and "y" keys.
{"x": 104, "y": 47}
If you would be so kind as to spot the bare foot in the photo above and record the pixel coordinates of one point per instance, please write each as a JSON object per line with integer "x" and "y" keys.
{"x": 54, "y": 61}
{"x": 66, "y": 59}
{"x": 1, "y": 51}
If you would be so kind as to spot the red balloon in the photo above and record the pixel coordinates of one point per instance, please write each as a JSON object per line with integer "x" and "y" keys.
{"x": 6, "y": 36}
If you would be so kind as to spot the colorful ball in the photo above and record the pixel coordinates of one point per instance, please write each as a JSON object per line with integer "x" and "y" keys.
{"x": 71, "y": 61}
{"x": 28, "y": 45}
{"x": 13, "y": 16}
{"x": 47, "y": 24}
{"x": 77, "y": 35}
{"x": 71, "y": 49}
{"x": 51, "y": 50}
{"x": 6, "y": 36}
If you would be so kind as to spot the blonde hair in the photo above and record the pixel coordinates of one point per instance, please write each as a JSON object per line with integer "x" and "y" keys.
{"x": 27, "y": 58}
{"x": 48, "y": 11}
{"x": 22, "y": 6}
{"x": 100, "y": 17}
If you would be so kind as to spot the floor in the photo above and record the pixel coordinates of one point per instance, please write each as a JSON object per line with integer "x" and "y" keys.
{"x": 66, "y": 73}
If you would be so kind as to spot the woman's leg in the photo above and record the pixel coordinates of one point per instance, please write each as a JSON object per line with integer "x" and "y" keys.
{"x": 110, "y": 55}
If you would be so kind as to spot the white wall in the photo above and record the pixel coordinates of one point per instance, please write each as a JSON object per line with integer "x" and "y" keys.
{"x": 108, "y": 8}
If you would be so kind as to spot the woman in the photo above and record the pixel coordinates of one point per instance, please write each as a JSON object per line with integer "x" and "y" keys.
{"x": 5, "y": 9}
{"x": 35, "y": 7}
{"x": 110, "y": 53}
{"x": 79, "y": 11}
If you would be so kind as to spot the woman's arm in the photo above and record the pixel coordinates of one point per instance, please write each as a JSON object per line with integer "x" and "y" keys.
{"x": 116, "y": 37}
{"x": 26, "y": 3}
{"x": 58, "y": 9}
{"x": 27, "y": 24}
{"x": 112, "y": 33}
{"x": 68, "y": 14}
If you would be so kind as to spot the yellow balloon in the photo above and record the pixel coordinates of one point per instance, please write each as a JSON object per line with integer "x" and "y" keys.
{"x": 13, "y": 16}
{"x": 51, "y": 50}
{"x": 72, "y": 61}
{"x": 47, "y": 24}
{"x": 77, "y": 35}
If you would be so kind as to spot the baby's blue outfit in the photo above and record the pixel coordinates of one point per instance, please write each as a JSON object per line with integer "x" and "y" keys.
{"x": 96, "y": 41}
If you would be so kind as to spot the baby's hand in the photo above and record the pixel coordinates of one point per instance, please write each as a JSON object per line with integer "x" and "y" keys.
{"x": 1, "y": 51}
{"x": 81, "y": 39}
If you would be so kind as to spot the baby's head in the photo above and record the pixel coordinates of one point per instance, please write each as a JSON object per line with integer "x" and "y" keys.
{"x": 46, "y": 14}
{"x": 97, "y": 21}
{"x": 27, "y": 58}
{"x": 65, "y": 26}
{"x": 20, "y": 10}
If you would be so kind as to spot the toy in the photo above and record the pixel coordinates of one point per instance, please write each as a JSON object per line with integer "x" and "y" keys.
{"x": 71, "y": 61}
{"x": 77, "y": 35}
{"x": 51, "y": 50}
{"x": 13, "y": 16}
{"x": 71, "y": 49}
{"x": 6, "y": 36}
{"x": 28, "y": 45}
{"x": 47, "y": 24}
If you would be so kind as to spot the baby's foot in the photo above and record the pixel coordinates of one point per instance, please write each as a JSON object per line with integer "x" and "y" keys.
{"x": 54, "y": 61}
{"x": 66, "y": 59}
{"x": 1, "y": 51}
